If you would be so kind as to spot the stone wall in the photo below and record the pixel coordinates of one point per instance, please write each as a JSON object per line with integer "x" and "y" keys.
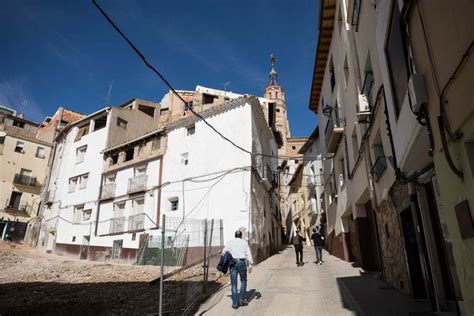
{"x": 392, "y": 248}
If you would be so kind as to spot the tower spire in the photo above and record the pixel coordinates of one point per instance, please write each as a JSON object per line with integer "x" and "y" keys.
{"x": 273, "y": 74}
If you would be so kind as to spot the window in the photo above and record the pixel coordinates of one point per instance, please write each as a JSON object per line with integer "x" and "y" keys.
{"x": 207, "y": 98}
{"x": 164, "y": 111}
{"x": 342, "y": 175}
{"x": 110, "y": 179}
{"x": 73, "y": 238}
{"x": 78, "y": 214}
{"x": 40, "y": 152}
{"x": 86, "y": 215}
{"x": 188, "y": 106}
{"x": 114, "y": 159}
{"x": 140, "y": 171}
{"x": 156, "y": 144}
{"x": 100, "y": 123}
{"x": 80, "y": 154}
{"x": 2, "y": 140}
{"x": 148, "y": 110}
{"x": 83, "y": 181}
{"x": 174, "y": 203}
{"x": 134, "y": 236}
{"x": 396, "y": 58}
{"x": 184, "y": 159}
{"x": 129, "y": 154}
{"x": 72, "y": 184}
{"x": 119, "y": 209}
{"x": 138, "y": 206}
{"x": 190, "y": 130}
{"x": 18, "y": 124}
{"x": 339, "y": 21}
{"x": 355, "y": 14}
{"x": 84, "y": 130}
{"x": 19, "y": 148}
{"x": 121, "y": 123}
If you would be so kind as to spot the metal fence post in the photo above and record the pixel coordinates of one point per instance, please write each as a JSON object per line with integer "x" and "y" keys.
{"x": 209, "y": 254}
{"x": 162, "y": 263}
{"x": 204, "y": 257}
{"x": 221, "y": 228}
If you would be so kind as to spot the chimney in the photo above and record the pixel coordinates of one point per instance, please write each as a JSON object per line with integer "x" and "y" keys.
{"x": 21, "y": 115}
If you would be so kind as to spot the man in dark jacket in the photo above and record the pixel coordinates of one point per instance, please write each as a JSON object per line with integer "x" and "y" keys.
{"x": 298, "y": 244}
{"x": 318, "y": 242}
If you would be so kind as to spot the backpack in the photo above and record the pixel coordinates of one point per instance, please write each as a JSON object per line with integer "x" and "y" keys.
{"x": 296, "y": 240}
{"x": 225, "y": 262}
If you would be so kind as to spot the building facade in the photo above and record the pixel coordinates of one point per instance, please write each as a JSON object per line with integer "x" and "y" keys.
{"x": 23, "y": 158}
{"x": 376, "y": 91}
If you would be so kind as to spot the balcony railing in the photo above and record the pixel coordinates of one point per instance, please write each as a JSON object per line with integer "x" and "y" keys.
{"x": 379, "y": 168}
{"x": 333, "y": 132}
{"x": 136, "y": 222}
{"x": 137, "y": 184}
{"x": 108, "y": 191}
{"x": 24, "y": 180}
{"x": 17, "y": 207}
{"x": 117, "y": 225}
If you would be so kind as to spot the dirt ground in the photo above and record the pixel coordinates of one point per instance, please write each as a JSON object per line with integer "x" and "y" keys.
{"x": 34, "y": 282}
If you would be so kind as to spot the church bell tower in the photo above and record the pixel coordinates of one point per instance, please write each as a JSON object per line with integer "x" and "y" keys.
{"x": 276, "y": 96}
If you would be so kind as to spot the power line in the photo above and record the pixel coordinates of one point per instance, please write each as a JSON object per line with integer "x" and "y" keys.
{"x": 166, "y": 82}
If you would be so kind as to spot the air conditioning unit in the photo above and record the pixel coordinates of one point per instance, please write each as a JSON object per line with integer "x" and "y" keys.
{"x": 417, "y": 91}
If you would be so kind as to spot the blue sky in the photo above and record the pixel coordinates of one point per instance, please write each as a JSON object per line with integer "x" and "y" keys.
{"x": 63, "y": 53}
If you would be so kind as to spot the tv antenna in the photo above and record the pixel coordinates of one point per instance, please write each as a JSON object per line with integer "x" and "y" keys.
{"x": 109, "y": 93}
{"x": 226, "y": 84}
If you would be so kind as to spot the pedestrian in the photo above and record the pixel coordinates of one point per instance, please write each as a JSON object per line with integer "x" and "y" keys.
{"x": 318, "y": 242}
{"x": 298, "y": 244}
{"x": 242, "y": 259}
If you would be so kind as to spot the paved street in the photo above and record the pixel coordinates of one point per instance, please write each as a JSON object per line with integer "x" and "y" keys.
{"x": 278, "y": 287}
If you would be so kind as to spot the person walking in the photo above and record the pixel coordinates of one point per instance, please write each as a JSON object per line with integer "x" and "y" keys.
{"x": 318, "y": 242}
{"x": 241, "y": 254}
{"x": 298, "y": 244}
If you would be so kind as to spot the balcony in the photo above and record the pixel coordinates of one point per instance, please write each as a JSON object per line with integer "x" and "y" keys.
{"x": 136, "y": 222}
{"x": 333, "y": 134}
{"x": 137, "y": 184}
{"x": 20, "y": 209}
{"x": 24, "y": 180}
{"x": 379, "y": 168}
{"x": 117, "y": 225}
{"x": 108, "y": 191}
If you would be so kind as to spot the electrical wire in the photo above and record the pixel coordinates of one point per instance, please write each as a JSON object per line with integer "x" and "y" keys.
{"x": 167, "y": 83}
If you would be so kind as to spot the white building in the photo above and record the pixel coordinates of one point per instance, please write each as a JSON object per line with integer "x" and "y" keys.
{"x": 70, "y": 215}
{"x": 207, "y": 177}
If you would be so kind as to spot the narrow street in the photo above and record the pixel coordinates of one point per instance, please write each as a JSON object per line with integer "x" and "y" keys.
{"x": 278, "y": 287}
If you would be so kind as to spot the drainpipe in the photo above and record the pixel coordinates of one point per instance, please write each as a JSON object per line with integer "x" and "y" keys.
{"x": 158, "y": 206}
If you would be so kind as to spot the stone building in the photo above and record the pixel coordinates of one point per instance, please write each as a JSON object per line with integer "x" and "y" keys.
{"x": 23, "y": 161}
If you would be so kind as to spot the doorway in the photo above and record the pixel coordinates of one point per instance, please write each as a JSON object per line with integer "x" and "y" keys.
{"x": 15, "y": 200}
{"x": 117, "y": 249}
{"x": 373, "y": 261}
{"x": 411, "y": 246}
{"x": 85, "y": 247}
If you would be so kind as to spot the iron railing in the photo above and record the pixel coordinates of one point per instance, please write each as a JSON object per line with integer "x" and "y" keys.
{"x": 136, "y": 184}
{"x": 379, "y": 168}
{"x": 108, "y": 191}
{"x": 12, "y": 206}
{"x": 136, "y": 222}
{"x": 24, "y": 180}
{"x": 117, "y": 225}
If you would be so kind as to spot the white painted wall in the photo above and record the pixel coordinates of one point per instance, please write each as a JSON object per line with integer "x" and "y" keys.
{"x": 226, "y": 198}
